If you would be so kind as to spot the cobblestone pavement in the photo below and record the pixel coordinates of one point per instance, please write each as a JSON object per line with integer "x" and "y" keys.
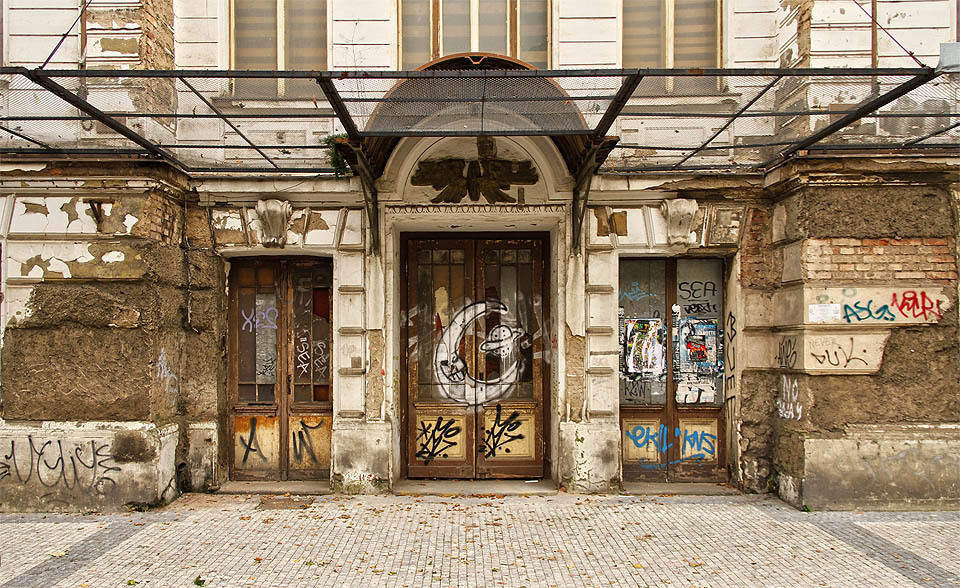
{"x": 563, "y": 540}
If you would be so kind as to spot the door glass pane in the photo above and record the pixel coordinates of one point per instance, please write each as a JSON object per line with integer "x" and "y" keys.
{"x": 312, "y": 334}
{"x": 415, "y": 32}
{"x": 698, "y": 339}
{"x": 509, "y": 324}
{"x": 533, "y": 32}
{"x": 456, "y": 26}
{"x": 257, "y": 322}
{"x": 445, "y": 341}
{"x": 642, "y": 312}
{"x": 493, "y": 26}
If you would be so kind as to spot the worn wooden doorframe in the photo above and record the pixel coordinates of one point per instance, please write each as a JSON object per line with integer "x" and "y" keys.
{"x": 280, "y": 321}
{"x": 475, "y": 371}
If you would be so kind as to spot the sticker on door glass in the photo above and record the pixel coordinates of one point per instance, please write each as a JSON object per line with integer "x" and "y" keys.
{"x": 697, "y": 356}
{"x": 642, "y": 341}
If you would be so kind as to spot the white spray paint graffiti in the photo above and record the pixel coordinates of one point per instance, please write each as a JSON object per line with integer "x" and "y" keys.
{"x": 788, "y": 404}
{"x": 455, "y": 381}
{"x": 169, "y": 380}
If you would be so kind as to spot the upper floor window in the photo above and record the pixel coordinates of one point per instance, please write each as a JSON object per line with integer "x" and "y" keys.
{"x": 671, "y": 33}
{"x": 433, "y": 28}
{"x": 277, "y": 35}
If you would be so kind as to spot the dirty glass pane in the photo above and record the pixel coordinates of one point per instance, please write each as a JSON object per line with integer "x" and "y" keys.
{"x": 415, "y": 32}
{"x": 266, "y": 330}
{"x": 533, "y": 32}
{"x": 456, "y": 26}
{"x": 698, "y": 339}
{"x": 322, "y": 344}
{"x": 312, "y": 335}
{"x": 255, "y": 43}
{"x": 508, "y": 325}
{"x": 642, "y": 332}
{"x": 493, "y": 26}
{"x": 699, "y": 287}
{"x": 305, "y": 42}
{"x": 695, "y": 33}
{"x": 643, "y": 33}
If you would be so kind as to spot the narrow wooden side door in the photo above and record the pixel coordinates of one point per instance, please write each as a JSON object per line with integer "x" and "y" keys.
{"x": 279, "y": 380}
{"x": 671, "y": 369}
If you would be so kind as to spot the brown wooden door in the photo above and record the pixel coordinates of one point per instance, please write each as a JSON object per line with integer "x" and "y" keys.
{"x": 671, "y": 369}
{"x": 474, "y": 368}
{"x": 280, "y": 368}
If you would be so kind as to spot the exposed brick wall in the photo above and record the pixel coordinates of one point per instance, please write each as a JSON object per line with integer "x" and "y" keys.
{"x": 162, "y": 220}
{"x": 759, "y": 268}
{"x": 928, "y": 259}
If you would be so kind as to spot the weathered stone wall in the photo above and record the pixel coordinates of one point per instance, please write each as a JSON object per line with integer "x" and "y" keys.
{"x": 864, "y": 330}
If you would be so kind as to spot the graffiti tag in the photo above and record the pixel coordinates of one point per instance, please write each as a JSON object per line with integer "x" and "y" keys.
{"x": 913, "y": 304}
{"x": 836, "y": 356}
{"x": 787, "y": 352}
{"x": 451, "y": 370}
{"x": 303, "y": 442}
{"x": 52, "y": 465}
{"x": 788, "y": 403}
{"x": 259, "y": 319}
{"x": 501, "y": 433}
{"x": 250, "y": 444}
{"x": 433, "y": 439}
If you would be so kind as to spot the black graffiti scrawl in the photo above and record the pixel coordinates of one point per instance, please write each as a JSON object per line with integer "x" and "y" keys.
{"x": 501, "y": 433}
{"x": 303, "y": 443}
{"x": 250, "y": 444}
{"x": 85, "y": 467}
{"x": 434, "y": 439}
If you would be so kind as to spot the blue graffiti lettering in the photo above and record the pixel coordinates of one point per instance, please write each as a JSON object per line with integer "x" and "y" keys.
{"x": 696, "y": 445}
{"x": 863, "y": 312}
{"x": 633, "y": 293}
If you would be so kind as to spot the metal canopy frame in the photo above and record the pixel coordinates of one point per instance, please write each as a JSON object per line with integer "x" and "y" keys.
{"x": 686, "y": 121}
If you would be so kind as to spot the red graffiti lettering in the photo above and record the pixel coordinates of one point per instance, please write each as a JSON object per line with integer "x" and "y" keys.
{"x": 917, "y": 305}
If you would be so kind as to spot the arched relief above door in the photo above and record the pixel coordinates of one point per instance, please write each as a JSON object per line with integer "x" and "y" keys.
{"x": 476, "y": 170}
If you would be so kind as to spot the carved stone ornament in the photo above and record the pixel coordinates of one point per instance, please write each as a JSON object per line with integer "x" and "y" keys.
{"x": 679, "y": 214}
{"x": 487, "y": 175}
{"x": 274, "y": 216}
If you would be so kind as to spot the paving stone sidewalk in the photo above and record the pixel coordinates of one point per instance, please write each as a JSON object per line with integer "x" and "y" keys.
{"x": 483, "y": 541}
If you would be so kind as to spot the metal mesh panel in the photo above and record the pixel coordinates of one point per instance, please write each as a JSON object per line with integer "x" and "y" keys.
{"x": 673, "y": 120}
{"x": 483, "y": 105}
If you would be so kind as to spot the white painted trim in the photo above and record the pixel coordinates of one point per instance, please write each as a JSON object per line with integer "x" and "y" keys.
{"x": 475, "y": 25}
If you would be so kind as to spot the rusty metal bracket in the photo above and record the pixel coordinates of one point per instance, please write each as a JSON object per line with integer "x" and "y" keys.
{"x": 593, "y": 158}
{"x": 353, "y": 154}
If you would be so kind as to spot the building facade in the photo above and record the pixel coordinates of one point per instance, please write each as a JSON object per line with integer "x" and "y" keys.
{"x": 730, "y": 265}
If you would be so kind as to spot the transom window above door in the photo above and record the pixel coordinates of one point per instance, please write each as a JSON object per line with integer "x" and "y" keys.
{"x": 431, "y": 29}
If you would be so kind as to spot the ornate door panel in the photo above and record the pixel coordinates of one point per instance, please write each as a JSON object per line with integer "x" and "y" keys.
{"x": 279, "y": 368}
{"x": 671, "y": 369}
{"x": 474, "y": 370}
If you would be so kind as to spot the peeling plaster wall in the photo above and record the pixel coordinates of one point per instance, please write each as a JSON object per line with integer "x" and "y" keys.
{"x": 94, "y": 308}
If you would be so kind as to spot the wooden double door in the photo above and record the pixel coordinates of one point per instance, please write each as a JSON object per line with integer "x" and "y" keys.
{"x": 476, "y": 330}
{"x": 279, "y": 379}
